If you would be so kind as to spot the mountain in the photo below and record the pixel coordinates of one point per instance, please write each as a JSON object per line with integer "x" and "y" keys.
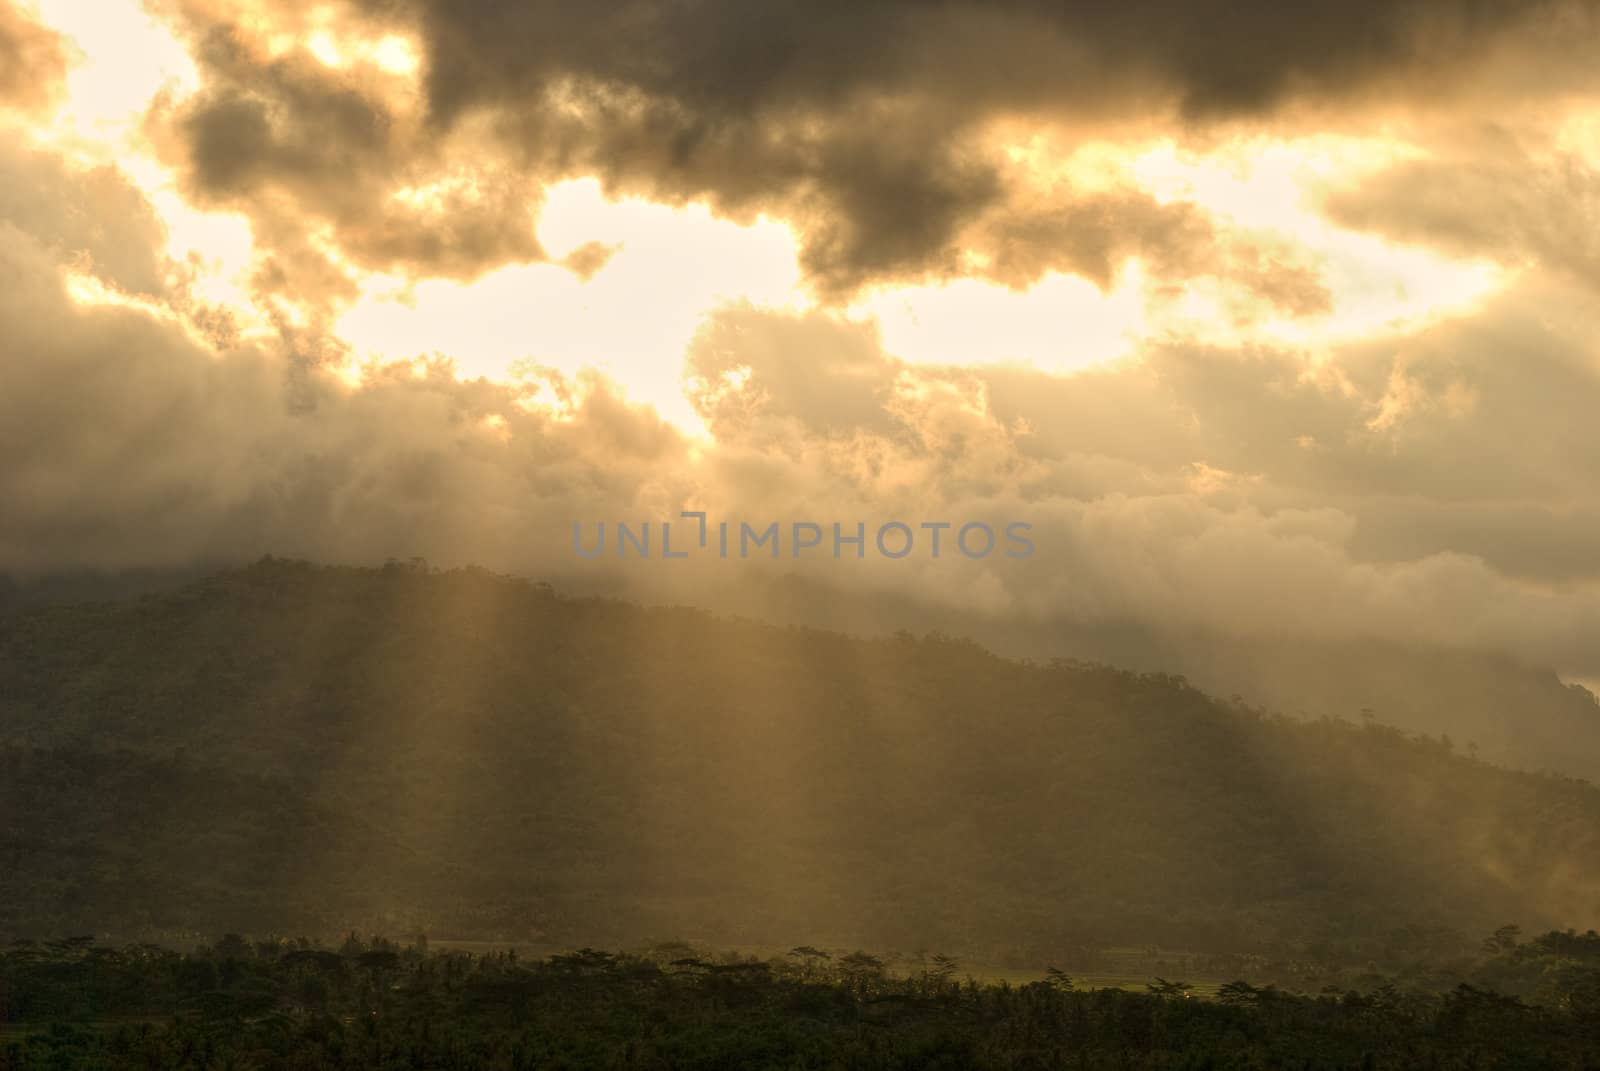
{"x": 1510, "y": 713}
{"x": 304, "y": 749}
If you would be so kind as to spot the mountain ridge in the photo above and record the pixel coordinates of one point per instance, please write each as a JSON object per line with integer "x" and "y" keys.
{"x": 459, "y": 751}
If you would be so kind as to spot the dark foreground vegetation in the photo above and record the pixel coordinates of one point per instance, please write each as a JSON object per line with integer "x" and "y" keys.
{"x": 276, "y": 1004}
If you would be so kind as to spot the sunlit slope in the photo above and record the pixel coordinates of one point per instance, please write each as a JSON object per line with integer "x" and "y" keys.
{"x": 316, "y": 748}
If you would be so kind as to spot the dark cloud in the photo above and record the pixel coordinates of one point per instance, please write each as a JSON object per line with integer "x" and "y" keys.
{"x": 728, "y": 60}
{"x": 862, "y": 124}
{"x": 867, "y": 111}
{"x": 329, "y": 170}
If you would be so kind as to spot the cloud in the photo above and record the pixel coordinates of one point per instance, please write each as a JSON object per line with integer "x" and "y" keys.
{"x": 1516, "y": 200}
{"x": 336, "y": 176}
{"x": 1396, "y": 487}
{"x": 867, "y": 128}
{"x": 862, "y": 122}
{"x": 590, "y": 258}
{"x": 95, "y": 220}
{"x": 1253, "y": 492}
{"x": 725, "y": 59}
{"x": 128, "y": 437}
{"x": 33, "y": 61}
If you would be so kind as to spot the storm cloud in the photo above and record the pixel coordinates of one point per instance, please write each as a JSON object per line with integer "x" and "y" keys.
{"x": 866, "y": 126}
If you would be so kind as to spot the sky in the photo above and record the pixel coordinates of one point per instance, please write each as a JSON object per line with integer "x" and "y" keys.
{"x": 1269, "y": 319}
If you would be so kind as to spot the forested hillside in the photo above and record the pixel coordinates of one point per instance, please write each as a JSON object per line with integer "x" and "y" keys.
{"x": 295, "y": 748}
{"x": 1513, "y": 714}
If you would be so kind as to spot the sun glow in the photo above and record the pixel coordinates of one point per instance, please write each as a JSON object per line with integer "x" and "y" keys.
{"x": 122, "y": 61}
{"x": 390, "y": 53}
{"x": 1274, "y": 190}
{"x": 627, "y": 282}
{"x": 1060, "y": 323}
{"x": 632, "y": 318}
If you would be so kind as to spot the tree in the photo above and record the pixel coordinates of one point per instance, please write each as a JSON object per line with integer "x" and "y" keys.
{"x": 1163, "y": 988}
{"x": 1502, "y": 940}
